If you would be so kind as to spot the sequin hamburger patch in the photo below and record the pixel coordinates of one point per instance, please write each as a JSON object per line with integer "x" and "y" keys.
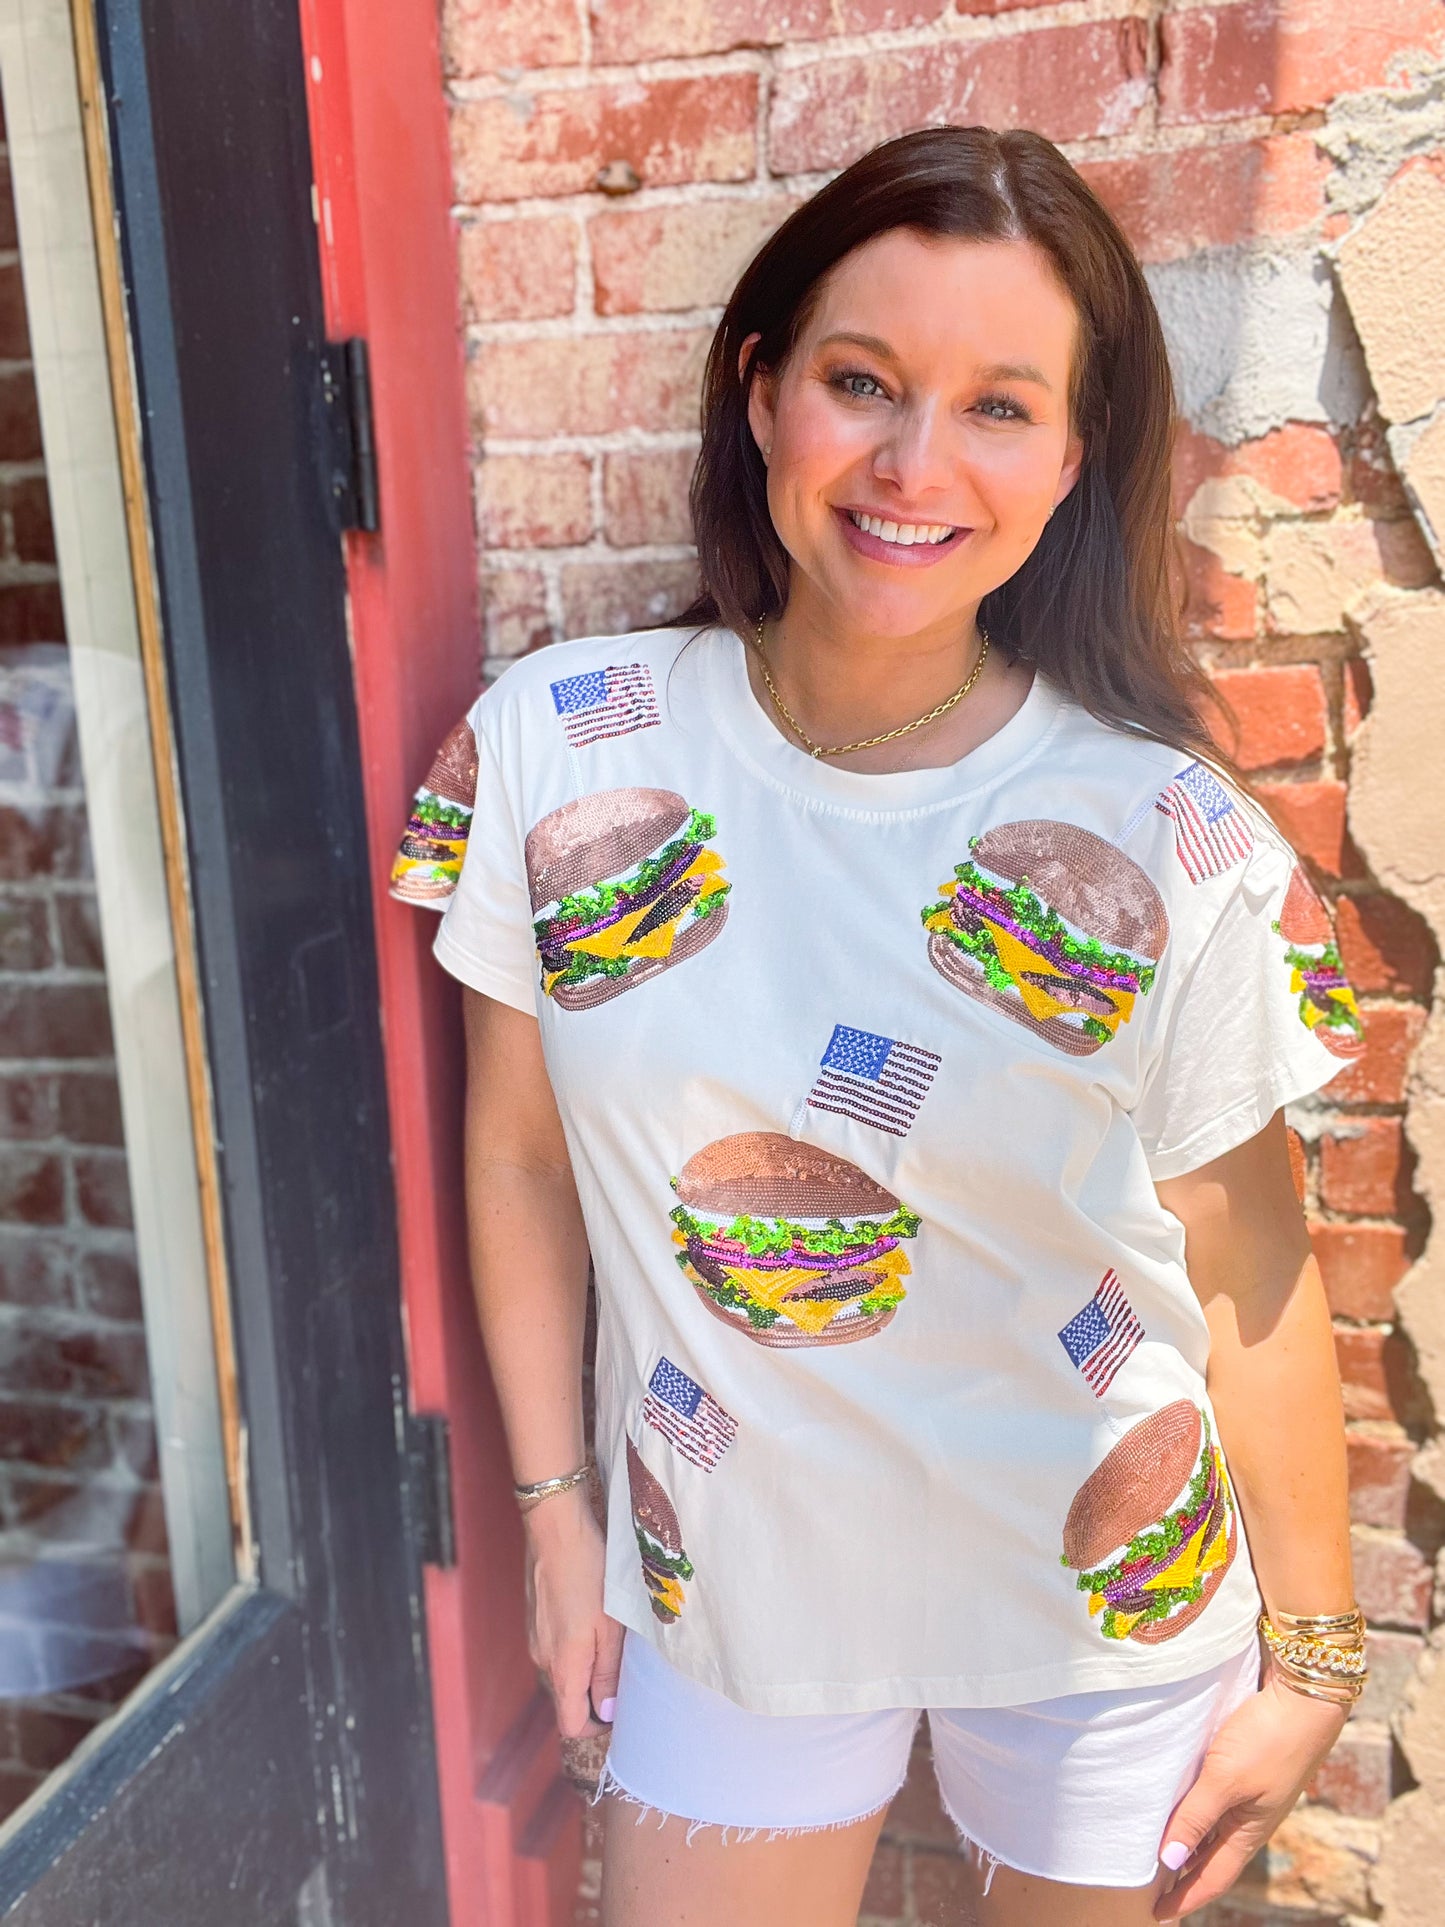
{"x": 1327, "y": 1003}
{"x": 1052, "y": 925}
{"x": 665, "y": 1565}
{"x": 788, "y": 1244}
{"x": 1151, "y": 1532}
{"x": 626, "y": 887}
{"x": 430, "y": 856}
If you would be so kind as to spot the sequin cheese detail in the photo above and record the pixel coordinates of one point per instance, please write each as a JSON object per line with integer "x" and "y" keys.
{"x": 430, "y": 856}
{"x": 1151, "y": 1531}
{"x": 788, "y": 1244}
{"x": 665, "y": 1565}
{"x": 627, "y": 888}
{"x": 1052, "y": 925}
{"x": 1326, "y": 1002}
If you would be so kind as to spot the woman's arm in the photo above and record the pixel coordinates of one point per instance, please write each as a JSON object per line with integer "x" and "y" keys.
{"x": 529, "y": 1271}
{"x": 1275, "y": 1389}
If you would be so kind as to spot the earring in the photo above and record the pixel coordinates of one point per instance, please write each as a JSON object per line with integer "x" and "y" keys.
{"x": 767, "y": 451}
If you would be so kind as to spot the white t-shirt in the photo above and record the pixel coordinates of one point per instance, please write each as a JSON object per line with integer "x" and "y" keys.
{"x": 900, "y": 1378}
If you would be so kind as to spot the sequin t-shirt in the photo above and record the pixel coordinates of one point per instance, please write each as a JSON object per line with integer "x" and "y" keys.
{"x": 866, "y": 1081}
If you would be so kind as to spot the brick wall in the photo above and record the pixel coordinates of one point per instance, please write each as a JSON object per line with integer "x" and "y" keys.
{"x": 616, "y": 161}
{"x": 78, "y": 1498}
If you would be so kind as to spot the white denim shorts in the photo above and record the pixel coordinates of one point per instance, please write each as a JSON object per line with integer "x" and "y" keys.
{"x": 1076, "y": 1789}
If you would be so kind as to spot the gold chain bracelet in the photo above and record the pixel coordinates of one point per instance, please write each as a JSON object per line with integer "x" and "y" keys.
{"x": 1319, "y": 1655}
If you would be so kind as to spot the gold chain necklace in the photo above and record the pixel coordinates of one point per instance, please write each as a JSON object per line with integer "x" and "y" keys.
{"x": 868, "y": 742}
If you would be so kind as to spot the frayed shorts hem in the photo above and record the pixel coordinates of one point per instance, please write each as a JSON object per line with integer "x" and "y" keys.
{"x": 609, "y": 1783}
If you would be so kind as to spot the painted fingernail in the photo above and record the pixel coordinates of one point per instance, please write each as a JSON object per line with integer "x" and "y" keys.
{"x": 1174, "y": 1855}
{"x": 606, "y": 1710}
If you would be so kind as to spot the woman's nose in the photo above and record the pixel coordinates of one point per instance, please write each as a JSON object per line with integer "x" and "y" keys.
{"x": 920, "y": 453}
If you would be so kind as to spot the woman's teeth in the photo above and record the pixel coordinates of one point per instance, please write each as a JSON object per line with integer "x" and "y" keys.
{"x": 905, "y": 534}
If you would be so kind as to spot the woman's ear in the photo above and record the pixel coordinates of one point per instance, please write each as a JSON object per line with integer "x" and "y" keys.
{"x": 1072, "y": 469}
{"x": 760, "y": 387}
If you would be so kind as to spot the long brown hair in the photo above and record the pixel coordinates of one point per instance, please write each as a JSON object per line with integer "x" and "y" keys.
{"x": 1094, "y": 604}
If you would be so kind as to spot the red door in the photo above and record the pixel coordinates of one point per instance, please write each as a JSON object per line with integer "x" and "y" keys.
{"x": 512, "y": 1824}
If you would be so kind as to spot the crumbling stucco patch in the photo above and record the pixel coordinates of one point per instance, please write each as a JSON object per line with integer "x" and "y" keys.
{"x": 1258, "y": 335}
{"x": 1371, "y": 136}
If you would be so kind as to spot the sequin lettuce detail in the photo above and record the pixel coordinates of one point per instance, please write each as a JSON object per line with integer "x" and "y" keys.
{"x": 1053, "y": 926}
{"x": 628, "y": 888}
{"x": 1327, "y": 1003}
{"x": 1151, "y": 1532}
{"x": 788, "y": 1244}
{"x": 430, "y": 856}
{"x": 665, "y": 1565}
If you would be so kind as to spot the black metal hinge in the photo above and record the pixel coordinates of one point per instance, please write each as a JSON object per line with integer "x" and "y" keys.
{"x": 429, "y": 1452}
{"x": 346, "y": 392}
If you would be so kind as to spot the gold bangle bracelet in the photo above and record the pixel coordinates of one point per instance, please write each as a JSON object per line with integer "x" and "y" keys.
{"x": 1320, "y": 1625}
{"x": 1341, "y": 1695}
{"x": 544, "y": 1488}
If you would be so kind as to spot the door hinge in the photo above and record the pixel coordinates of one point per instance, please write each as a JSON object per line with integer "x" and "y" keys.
{"x": 346, "y": 392}
{"x": 429, "y": 1451}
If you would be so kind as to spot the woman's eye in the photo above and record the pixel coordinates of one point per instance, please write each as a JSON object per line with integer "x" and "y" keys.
{"x": 852, "y": 381}
{"x": 1002, "y": 408}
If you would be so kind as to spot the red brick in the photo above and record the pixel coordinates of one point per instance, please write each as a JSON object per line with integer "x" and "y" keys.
{"x": 1374, "y": 479}
{"x": 31, "y": 612}
{"x": 1393, "y": 1579}
{"x": 153, "y": 1597}
{"x": 645, "y": 496}
{"x": 1068, "y": 82}
{"x": 109, "y": 1283}
{"x": 41, "y": 843}
{"x": 1217, "y": 603}
{"x": 1281, "y": 713}
{"x": 78, "y": 914}
{"x": 14, "y": 333}
{"x": 32, "y": 1186}
{"x": 1312, "y": 817}
{"x": 46, "y": 1736}
{"x": 1405, "y": 558}
{"x": 55, "y": 1020}
{"x": 1394, "y": 1661}
{"x": 24, "y": 934}
{"x": 884, "y": 1895}
{"x": 16, "y": 1787}
{"x": 667, "y": 130}
{"x": 1365, "y": 1168}
{"x": 80, "y": 1363}
{"x": 1170, "y": 204}
{"x": 103, "y": 1189}
{"x": 514, "y": 612}
{"x": 589, "y": 384}
{"x": 1385, "y": 945}
{"x": 661, "y": 259}
{"x": 1378, "y": 1375}
{"x": 613, "y": 598}
{"x": 19, "y": 417}
{"x": 627, "y": 30}
{"x": 534, "y": 501}
{"x": 1379, "y": 1477}
{"x": 34, "y": 1270}
{"x": 1298, "y": 462}
{"x": 39, "y": 1432}
{"x": 1285, "y": 56}
{"x": 916, "y": 1815}
{"x": 29, "y": 1107}
{"x": 518, "y": 270}
{"x": 1298, "y": 1162}
{"x": 479, "y": 37}
{"x": 1358, "y": 691}
{"x": 8, "y": 235}
{"x": 1378, "y": 1076}
{"x": 1356, "y": 1777}
{"x": 1361, "y": 1265}
{"x": 146, "y": 1527}
{"x": 944, "y": 1889}
{"x": 28, "y": 501}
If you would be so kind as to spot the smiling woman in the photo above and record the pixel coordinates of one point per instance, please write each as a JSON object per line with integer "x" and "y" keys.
{"x": 884, "y": 978}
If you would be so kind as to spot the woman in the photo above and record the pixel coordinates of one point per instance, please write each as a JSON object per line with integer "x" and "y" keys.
{"x": 884, "y": 980}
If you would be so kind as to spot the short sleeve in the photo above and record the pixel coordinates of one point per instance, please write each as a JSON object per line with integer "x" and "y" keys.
{"x": 1262, "y": 1015}
{"x": 486, "y": 938}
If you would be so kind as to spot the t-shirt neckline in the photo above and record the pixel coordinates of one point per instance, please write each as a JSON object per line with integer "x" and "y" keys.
{"x": 752, "y": 736}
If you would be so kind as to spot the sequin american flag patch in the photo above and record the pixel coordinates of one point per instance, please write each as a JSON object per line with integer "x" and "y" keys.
{"x": 1103, "y": 1335}
{"x": 873, "y": 1079}
{"x": 1211, "y": 832}
{"x": 687, "y": 1416}
{"x": 606, "y": 702}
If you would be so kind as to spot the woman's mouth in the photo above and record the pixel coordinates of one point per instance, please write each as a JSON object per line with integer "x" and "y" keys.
{"x": 910, "y": 545}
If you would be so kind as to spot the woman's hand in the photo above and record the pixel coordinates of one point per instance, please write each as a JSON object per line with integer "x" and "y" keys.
{"x": 574, "y": 1644}
{"x": 1255, "y": 1770}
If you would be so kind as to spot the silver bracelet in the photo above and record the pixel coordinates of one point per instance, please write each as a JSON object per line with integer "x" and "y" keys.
{"x": 544, "y": 1488}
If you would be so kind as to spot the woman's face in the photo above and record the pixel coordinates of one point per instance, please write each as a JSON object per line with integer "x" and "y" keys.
{"x": 920, "y": 429}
